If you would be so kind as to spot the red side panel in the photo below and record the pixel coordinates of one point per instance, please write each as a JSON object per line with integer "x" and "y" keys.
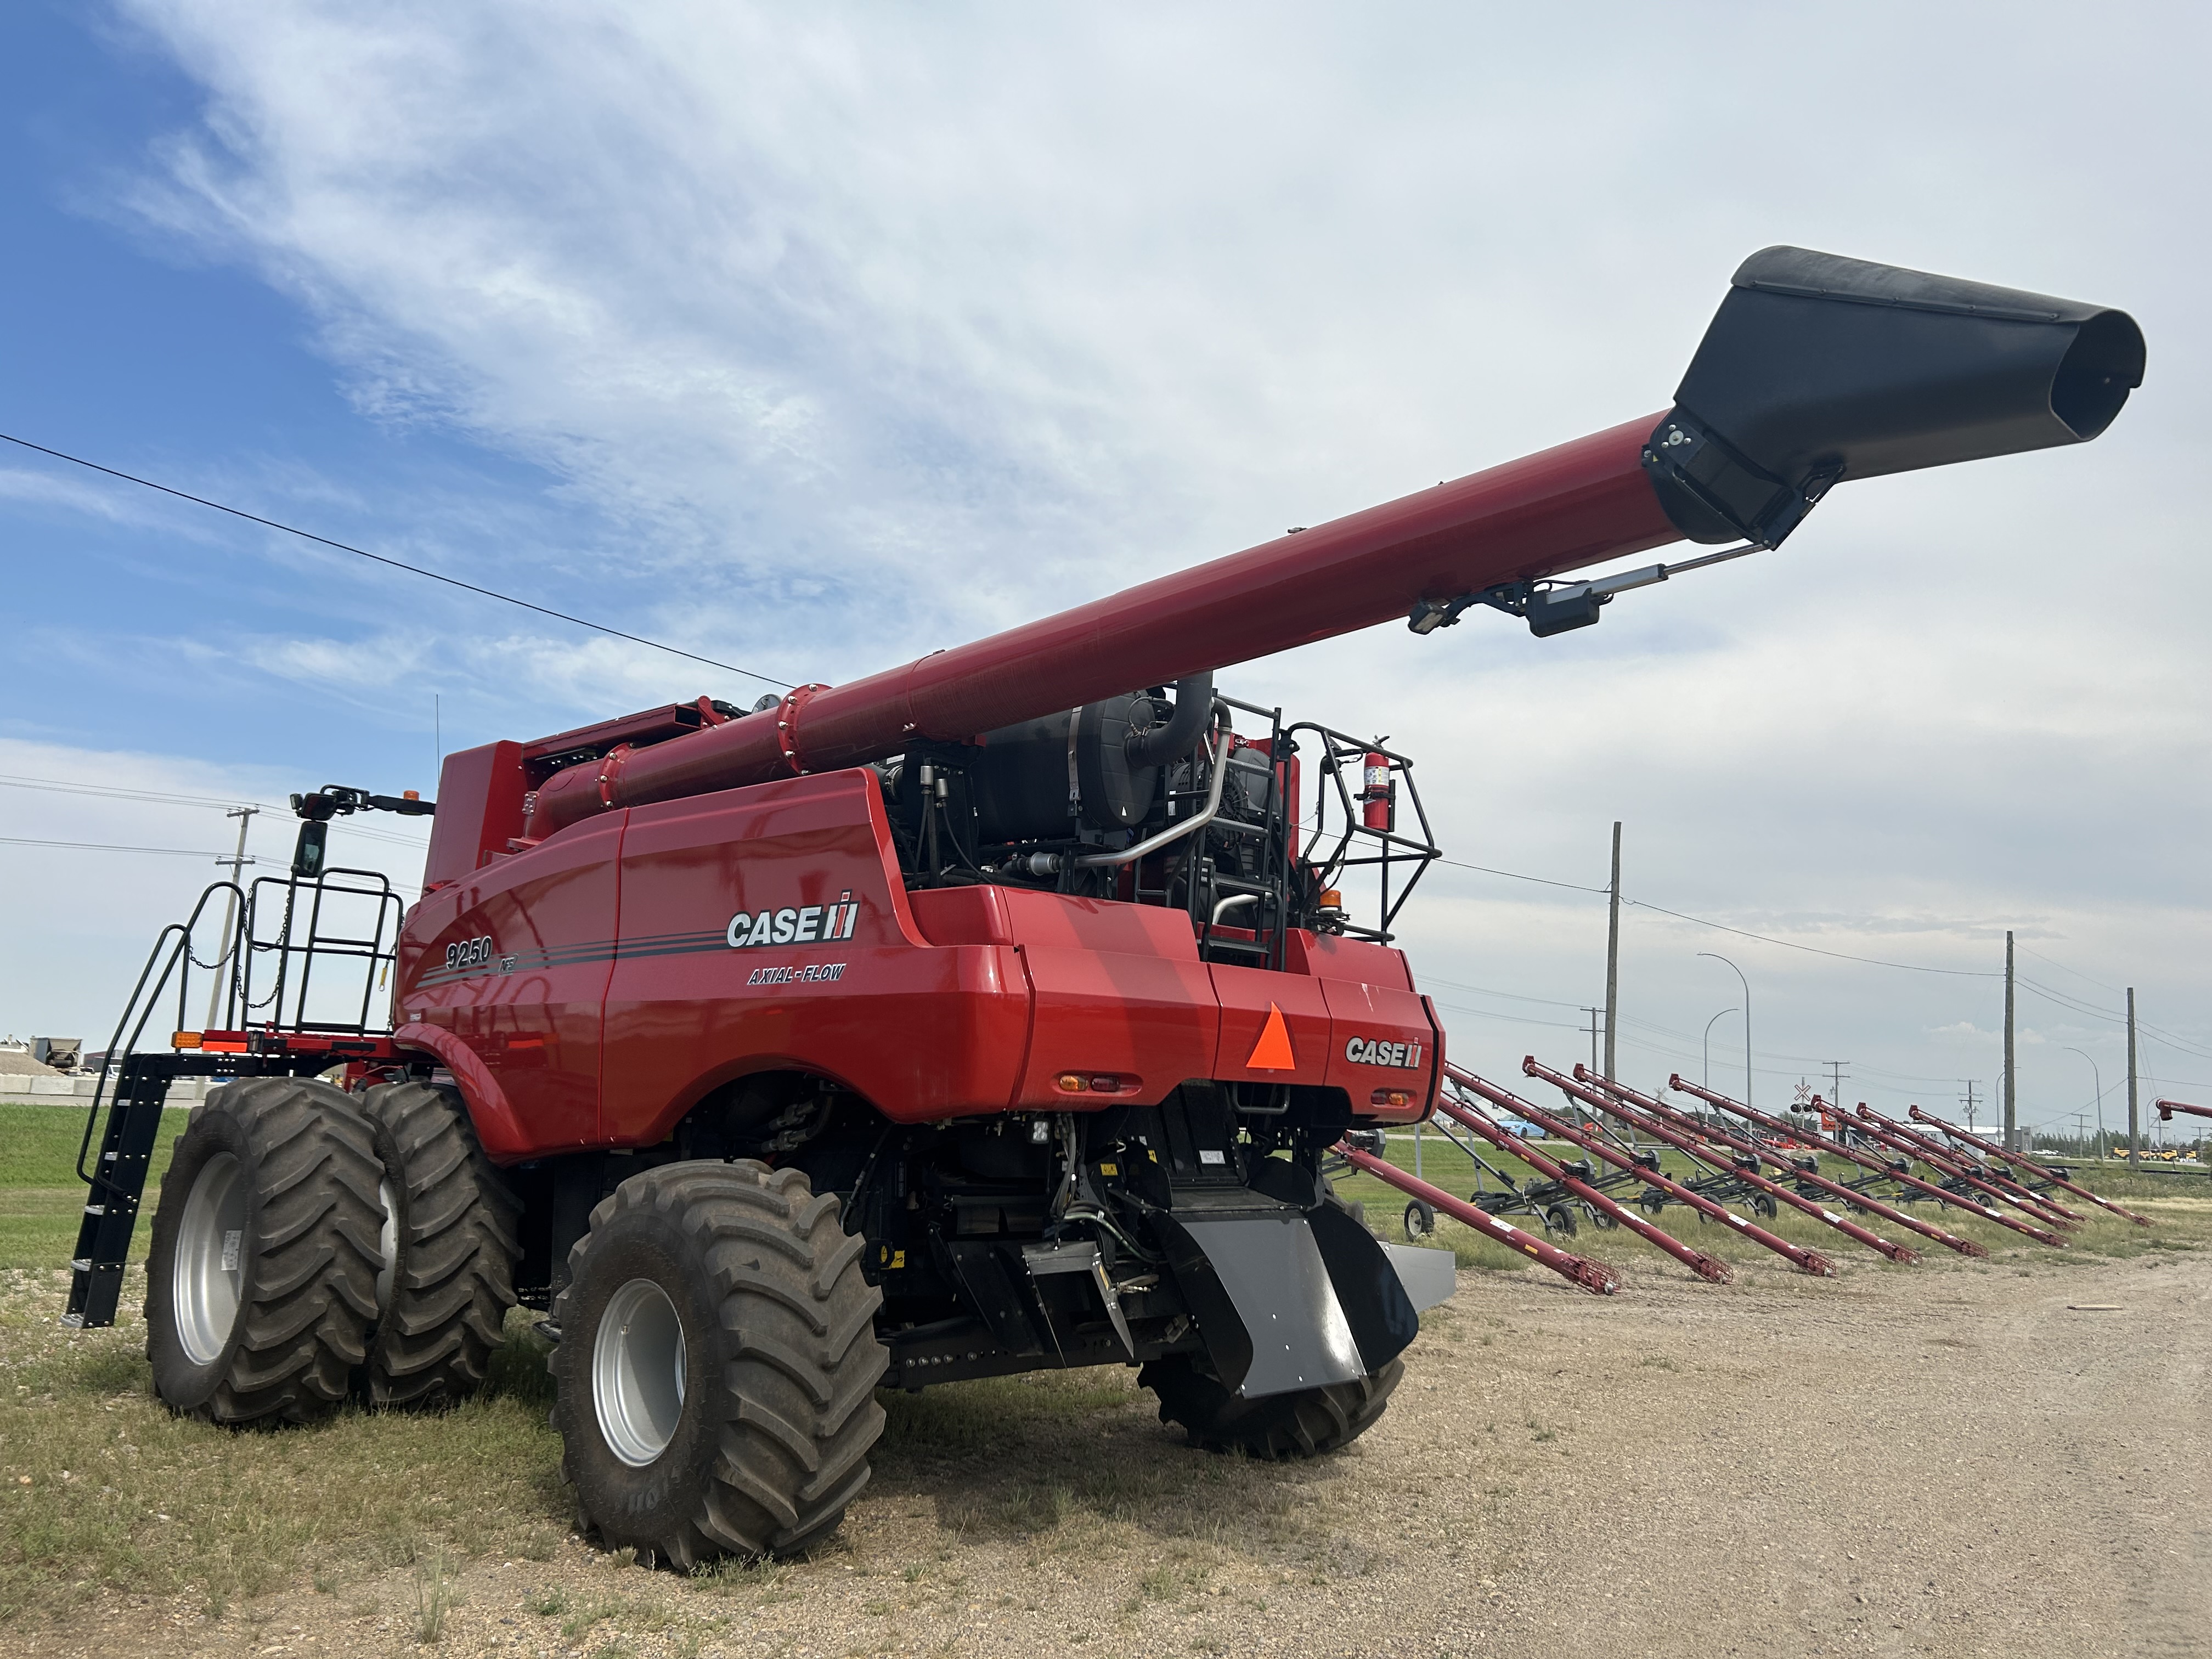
{"x": 853, "y": 991}
{"x": 513, "y": 960}
{"x": 1384, "y": 1039}
{"x": 1248, "y": 996}
{"x": 1331, "y": 956}
{"x": 479, "y": 809}
{"x": 1120, "y": 991}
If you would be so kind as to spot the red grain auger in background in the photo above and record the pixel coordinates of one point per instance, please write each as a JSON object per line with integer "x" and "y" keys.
{"x": 1902, "y": 1177}
{"x": 1662, "y": 1116}
{"x": 2018, "y": 1161}
{"x": 2167, "y": 1109}
{"x": 993, "y": 1013}
{"x": 1899, "y": 1139}
{"x": 1576, "y": 1087}
{"x": 1996, "y": 1180}
{"x": 1455, "y": 1106}
{"x": 1811, "y": 1262}
{"x": 1591, "y": 1274}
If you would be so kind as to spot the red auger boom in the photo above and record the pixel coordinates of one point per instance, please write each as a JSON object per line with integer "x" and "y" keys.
{"x": 1591, "y": 1274}
{"x": 1875, "y": 1166}
{"x": 1660, "y": 1117}
{"x": 1811, "y": 1262}
{"x": 1897, "y": 1138}
{"x": 992, "y": 1012}
{"x": 2167, "y": 1109}
{"x": 2029, "y": 1165}
{"x": 1710, "y": 1268}
{"x": 1817, "y": 369}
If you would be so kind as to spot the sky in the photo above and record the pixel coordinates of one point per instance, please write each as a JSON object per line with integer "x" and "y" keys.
{"x": 811, "y": 342}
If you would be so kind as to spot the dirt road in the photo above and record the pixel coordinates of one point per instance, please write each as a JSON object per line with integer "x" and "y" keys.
{"x": 2008, "y": 1457}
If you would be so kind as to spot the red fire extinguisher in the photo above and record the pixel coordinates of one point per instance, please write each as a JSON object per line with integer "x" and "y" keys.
{"x": 1379, "y": 794}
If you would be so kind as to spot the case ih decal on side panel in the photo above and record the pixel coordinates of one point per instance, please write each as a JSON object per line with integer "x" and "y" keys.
{"x": 803, "y": 924}
{"x": 850, "y": 991}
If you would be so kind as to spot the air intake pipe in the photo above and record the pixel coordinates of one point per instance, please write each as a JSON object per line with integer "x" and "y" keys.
{"x": 1815, "y": 370}
{"x": 1178, "y": 734}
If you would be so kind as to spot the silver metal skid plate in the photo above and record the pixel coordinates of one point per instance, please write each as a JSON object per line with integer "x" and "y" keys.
{"x": 1429, "y": 1276}
{"x": 1273, "y": 1273}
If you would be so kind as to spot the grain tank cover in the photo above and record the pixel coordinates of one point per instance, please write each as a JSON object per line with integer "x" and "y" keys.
{"x": 1818, "y": 368}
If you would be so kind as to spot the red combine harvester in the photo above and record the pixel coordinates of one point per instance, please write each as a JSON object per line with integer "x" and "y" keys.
{"x": 991, "y": 1013}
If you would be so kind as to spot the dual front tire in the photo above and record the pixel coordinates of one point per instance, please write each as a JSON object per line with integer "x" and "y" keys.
{"x": 309, "y": 1245}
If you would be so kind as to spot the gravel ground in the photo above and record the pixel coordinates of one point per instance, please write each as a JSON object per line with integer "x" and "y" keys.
{"x": 1959, "y": 1458}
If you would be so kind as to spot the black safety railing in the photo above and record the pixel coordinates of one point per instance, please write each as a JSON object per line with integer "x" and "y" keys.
{"x": 266, "y": 952}
{"x": 1339, "y": 840}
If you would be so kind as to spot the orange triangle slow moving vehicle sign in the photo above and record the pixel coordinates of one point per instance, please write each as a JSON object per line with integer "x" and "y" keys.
{"x": 1272, "y": 1053}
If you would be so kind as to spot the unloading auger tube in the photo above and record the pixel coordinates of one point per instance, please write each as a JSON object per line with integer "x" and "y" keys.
{"x": 1816, "y": 370}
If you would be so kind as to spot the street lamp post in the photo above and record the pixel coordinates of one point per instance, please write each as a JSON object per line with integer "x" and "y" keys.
{"x": 1723, "y": 1014}
{"x": 1718, "y": 956}
{"x": 2098, "y": 1077}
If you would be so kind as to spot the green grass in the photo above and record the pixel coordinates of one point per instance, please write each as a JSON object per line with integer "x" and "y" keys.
{"x": 41, "y": 1201}
{"x": 101, "y": 1486}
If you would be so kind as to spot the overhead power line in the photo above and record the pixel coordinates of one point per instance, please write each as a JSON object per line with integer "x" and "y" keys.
{"x": 103, "y": 847}
{"x": 396, "y": 564}
{"x": 110, "y": 792}
{"x": 1741, "y": 932}
{"x": 1516, "y": 875}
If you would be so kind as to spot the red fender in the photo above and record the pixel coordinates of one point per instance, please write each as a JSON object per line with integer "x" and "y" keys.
{"x": 499, "y": 1130}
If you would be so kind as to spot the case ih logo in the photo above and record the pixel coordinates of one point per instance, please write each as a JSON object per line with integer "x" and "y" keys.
{"x": 1366, "y": 1051}
{"x": 804, "y": 924}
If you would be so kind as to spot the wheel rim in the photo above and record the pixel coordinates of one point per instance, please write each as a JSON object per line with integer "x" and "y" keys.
{"x": 387, "y": 1244}
{"x": 209, "y": 1272}
{"x": 637, "y": 1372}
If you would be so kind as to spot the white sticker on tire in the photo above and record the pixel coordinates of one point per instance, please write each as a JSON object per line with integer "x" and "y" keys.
{"x": 231, "y": 1240}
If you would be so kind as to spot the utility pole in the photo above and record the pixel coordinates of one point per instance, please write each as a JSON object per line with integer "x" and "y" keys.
{"x": 2134, "y": 1128}
{"x": 237, "y": 862}
{"x": 1592, "y": 1013}
{"x": 1968, "y": 1100}
{"x": 2011, "y": 1079}
{"x": 1613, "y": 953}
{"x": 1836, "y": 1080}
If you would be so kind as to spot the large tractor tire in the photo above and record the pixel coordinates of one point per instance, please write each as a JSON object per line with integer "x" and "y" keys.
{"x": 1302, "y": 1424}
{"x": 448, "y": 1277}
{"x": 717, "y": 1364}
{"x": 261, "y": 1286}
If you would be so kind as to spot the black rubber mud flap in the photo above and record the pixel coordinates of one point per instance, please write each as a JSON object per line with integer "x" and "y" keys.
{"x": 1265, "y": 1302}
{"x": 1368, "y": 1288}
